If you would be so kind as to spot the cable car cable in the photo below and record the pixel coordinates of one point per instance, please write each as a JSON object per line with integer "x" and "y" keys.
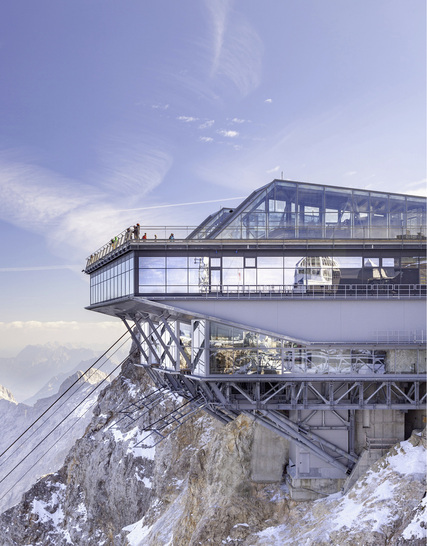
{"x": 58, "y": 407}
{"x": 60, "y": 423}
{"x": 60, "y": 438}
{"x": 63, "y": 394}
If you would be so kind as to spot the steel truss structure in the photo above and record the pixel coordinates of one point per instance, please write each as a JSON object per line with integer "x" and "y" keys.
{"x": 267, "y": 398}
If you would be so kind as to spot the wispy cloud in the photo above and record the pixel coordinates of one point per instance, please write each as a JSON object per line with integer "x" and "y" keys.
{"x": 206, "y": 139}
{"x": 53, "y": 325}
{"x": 70, "y": 214}
{"x": 228, "y": 134}
{"x": 75, "y": 267}
{"x": 238, "y": 120}
{"x": 237, "y": 48}
{"x": 185, "y": 204}
{"x": 131, "y": 166}
{"x": 160, "y": 106}
{"x": 207, "y": 124}
{"x": 187, "y": 119}
{"x": 269, "y": 101}
{"x": 418, "y": 187}
{"x": 273, "y": 170}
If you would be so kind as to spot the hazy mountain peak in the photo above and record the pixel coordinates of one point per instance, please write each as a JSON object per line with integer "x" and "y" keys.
{"x": 5, "y": 394}
{"x": 93, "y": 377}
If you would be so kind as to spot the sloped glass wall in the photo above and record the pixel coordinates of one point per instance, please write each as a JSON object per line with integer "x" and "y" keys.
{"x": 292, "y": 210}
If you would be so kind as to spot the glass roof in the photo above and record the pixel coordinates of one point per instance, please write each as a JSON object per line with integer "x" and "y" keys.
{"x": 294, "y": 210}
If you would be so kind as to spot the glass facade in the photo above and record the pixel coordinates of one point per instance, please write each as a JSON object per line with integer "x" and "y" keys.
{"x": 293, "y": 210}
{"x": 174, "y": 274}
{"x": 236, "y": 351}
{"x": 281, "y": 273}
{"x": 112, "y": 281}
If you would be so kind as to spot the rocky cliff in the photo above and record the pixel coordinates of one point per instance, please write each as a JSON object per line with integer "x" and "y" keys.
{"x": 38, "y": 460}
{"x": 195, "y": 488}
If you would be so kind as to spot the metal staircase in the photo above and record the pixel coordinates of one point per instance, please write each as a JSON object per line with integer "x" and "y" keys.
{"x": 169, "y": 423}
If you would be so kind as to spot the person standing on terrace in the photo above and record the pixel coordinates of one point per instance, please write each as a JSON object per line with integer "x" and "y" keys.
{"x": 171, "y": 237}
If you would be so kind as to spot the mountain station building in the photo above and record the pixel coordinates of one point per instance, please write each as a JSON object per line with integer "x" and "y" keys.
{"x": 304, "y": 307}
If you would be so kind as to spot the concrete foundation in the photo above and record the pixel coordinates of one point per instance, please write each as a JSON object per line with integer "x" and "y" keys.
{"x": 270, "y": 453}
{"x": 377, "y": 429}
{"x": 312, "y": 489}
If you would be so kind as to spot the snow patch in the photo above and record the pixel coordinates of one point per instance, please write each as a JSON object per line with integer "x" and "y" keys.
{"x": 133, "y": 437}
{"x": 137, "y": 532}
{"x": 408, "y": 460}
{"x": 132, "y": 388}
{"x": 418, "y": 526}
{"x": 41, "y": 509}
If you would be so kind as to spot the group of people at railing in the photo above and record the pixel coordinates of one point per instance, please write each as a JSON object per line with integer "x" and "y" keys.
{"x": 132, "y": 233}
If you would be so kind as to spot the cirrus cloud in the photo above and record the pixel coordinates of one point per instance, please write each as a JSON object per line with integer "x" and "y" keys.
{"x": 228, "y": 134}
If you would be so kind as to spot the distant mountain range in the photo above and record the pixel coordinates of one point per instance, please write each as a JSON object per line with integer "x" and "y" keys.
{"x": 38, "y": 370}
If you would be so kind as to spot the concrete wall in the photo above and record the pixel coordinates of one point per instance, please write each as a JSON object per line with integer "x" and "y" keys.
{"x": 306, "y": 464}
{"x": 380, "y": 427}
{"x": 270, "y": 453}
{"x": 316, "y": 320}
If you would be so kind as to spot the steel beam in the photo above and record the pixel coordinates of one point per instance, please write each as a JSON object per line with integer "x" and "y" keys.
{"x": 176, "y": 340}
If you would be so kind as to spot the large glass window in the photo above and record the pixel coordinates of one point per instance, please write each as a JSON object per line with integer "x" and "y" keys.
{"x": 397, "y": 216}
{"x": 416, "y": 216}
{"x": 241, "y": 274}
{"x": 112, "y": 281}
{"x": 310, "y": 211}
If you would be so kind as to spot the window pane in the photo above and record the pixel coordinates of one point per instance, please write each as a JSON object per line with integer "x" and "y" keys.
{"x": 250, "y": 277}
{"x": 232, "y": 261}
{"x": 155, "y": 262}
{"x": 232, "y": 276}
{"x": 270, "y": 261}
{"x": 150, "y": 289}
{"x": 176, "y": 262}
{"x": 152, "y": 276}
{"x": 221, "y": 335}
{"x": 177, "y": 276}
{"x": 270, "y": 276}
{"x": 198, "y": 262}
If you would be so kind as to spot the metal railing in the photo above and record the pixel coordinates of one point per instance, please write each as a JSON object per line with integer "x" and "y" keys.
{"x": 342, "y": 291}
{"x": 165, "y": 234}
{"x": 171, "y": 234}
{"x": 380, "y": 443}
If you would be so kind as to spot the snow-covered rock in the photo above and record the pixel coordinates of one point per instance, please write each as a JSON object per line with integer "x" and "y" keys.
{"x": 195, "y": 488}
{"x": 5, "y": 394}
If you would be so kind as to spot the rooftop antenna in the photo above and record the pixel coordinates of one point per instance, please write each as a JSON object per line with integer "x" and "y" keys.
{"x": 281, "y": 176}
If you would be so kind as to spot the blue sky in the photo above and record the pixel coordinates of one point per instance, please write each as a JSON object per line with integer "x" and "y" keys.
{"x": 110, "y": 110}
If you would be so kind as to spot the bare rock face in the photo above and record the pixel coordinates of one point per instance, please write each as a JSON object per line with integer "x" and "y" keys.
{"x": 216, "y": 498}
